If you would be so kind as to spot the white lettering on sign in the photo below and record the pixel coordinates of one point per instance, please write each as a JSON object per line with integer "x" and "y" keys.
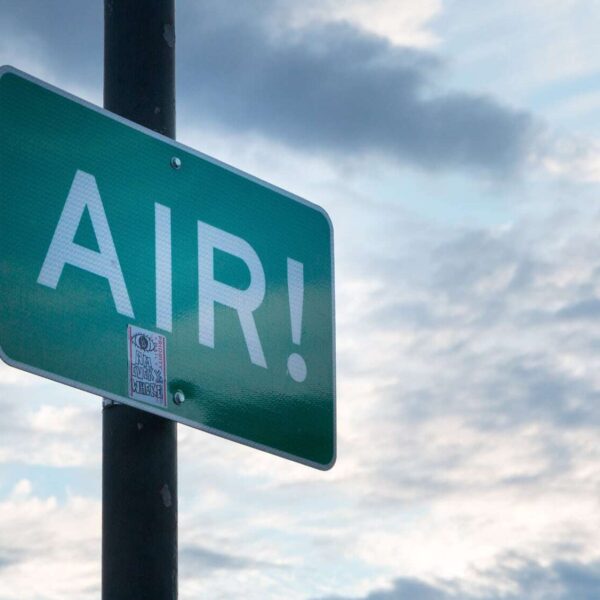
{"x": 245, "y": 302}
{"x": 105, "y": 263}
{"x": 296, "y": 364}
{"x": 63, "y": 250}
{"x": 164, "y": 287}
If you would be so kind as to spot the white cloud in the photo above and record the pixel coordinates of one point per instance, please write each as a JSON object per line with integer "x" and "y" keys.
{"x": 50, "y": 550}
{"x": 10, "y": 375}
{"x": 514, "y": 48}
{"x": 35, "y": 433}
{"x": 570, "y": 158}
{"x": 404, "y": 24}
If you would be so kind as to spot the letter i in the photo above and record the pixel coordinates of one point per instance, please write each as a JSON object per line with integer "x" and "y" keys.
{"x": 164, "y": 286}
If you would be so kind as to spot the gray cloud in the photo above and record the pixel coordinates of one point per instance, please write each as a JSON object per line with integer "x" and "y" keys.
{"x": 558, "y": 581}
{"x": 584, "y": 309}
{"x": 334, "y": 87}
{"x": 405, "y": 589}
{"x": 197, "y": 559}
{"x": 329, "y": 88}
{"x": 66, "y": 36}
{"x": 538, "y": 393}
{"x": 9, "y": 557}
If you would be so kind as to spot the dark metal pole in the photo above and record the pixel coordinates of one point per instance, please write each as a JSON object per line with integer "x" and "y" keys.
{"x": 139, "y": 469}
{"x": 139, "y": 62}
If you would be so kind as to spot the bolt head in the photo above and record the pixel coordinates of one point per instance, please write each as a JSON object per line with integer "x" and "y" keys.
{"x": 179, "y": 397}
{"x": 176, "y": 162}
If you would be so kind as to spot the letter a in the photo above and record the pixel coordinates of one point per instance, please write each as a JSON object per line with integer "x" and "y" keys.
{"x": 63, "y": 250}
{"x": 245, "y": 302}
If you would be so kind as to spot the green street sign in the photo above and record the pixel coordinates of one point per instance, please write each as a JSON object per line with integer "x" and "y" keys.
{"x": 138, "y": 269}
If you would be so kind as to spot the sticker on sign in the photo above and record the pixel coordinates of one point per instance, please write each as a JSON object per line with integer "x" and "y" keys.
{"x": 147, "y": 365}
{"x": 221, "y": 284}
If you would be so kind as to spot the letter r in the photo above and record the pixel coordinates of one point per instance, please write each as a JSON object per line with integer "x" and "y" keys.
{"x": 244, "y": 302}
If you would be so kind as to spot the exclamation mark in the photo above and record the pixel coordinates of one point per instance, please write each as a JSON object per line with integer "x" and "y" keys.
{"x": 295, "y": 271}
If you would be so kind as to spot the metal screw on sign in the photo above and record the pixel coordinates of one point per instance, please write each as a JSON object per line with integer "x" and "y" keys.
{"x": 176, "y": 162}
{"x": 179, "y": 397}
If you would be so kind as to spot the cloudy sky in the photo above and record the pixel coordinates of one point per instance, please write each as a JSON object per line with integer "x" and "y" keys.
{"x": 456, "y": 146}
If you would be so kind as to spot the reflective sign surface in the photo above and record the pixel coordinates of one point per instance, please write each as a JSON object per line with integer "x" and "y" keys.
{"x": 138, "y": 269}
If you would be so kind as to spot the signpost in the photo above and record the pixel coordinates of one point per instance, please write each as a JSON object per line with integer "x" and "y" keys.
{"x": 139, "y": 449}
{"x": 143, "y": 271}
